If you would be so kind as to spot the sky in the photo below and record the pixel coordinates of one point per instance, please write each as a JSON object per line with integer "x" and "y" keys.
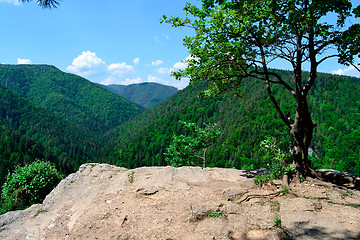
{"x": 107, "y": 42}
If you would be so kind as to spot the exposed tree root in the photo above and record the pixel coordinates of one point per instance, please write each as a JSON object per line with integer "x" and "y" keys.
{"x": 251, "y": 196}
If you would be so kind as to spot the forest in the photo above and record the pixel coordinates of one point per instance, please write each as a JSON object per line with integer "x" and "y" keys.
{"x": 64, "y": 114}
{"x": 69, "y": 96}
{"x": 65, "y": 119}
{"x": 245, "y": 122}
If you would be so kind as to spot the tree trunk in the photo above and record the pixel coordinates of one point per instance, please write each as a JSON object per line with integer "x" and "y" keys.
{"x": 204, "y": 157}
{"x": 302, "y": 132}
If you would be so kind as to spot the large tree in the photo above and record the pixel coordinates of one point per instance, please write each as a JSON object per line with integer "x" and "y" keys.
{"x": 238, "y": 39}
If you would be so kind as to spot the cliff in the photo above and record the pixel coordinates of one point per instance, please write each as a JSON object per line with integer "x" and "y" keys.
{"x": 101, "y": 201}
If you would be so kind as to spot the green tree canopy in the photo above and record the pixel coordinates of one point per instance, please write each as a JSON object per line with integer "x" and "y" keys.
{"x": 238, "y": 39}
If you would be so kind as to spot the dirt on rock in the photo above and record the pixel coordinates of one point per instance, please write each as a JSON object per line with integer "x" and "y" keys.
{"x": 101, "y": 201}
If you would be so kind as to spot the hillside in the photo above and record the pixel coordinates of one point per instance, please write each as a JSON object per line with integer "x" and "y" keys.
{"x": 55, "y": 116}
{"x": 78, "y": 121}
{"x": 334, "y": 101}
{"x": 28, "y": 132}
{"x": 101, "y": 201}
{"x": 69, "y": 96}
{"x": 145, "y": 94}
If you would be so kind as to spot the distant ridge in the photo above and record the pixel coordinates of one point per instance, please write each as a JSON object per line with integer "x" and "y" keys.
{"x": 145, "y": 94}
{"x": 69, "y": 96}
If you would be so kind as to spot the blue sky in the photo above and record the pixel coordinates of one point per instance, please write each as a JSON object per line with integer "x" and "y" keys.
{"x": 109, "y": 42}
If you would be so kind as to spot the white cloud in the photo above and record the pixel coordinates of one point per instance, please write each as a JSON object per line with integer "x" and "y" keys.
{"x": 87, "y": 64}
{"x": 163, "y": 71}
{"x": 14, "y": 2}
{"x": 183, "y": 64}
{"x": 24, "y": 61}
{"x": 109, "y": 80}
{"x": 136, "y": 60}
{"x": 154, "y": 79}
{"x": 129, "y": 81}
{"x": 157, "y": 63}
{"x": 180, "y": 84}
{"x": 119, "y": 69}
{"x": 349, "y": 71}
{"x": 159, "y": 39}
{"x": 338, "y": 72}
{"x": 180, "y": 65}
{"x": 90, "y": 66}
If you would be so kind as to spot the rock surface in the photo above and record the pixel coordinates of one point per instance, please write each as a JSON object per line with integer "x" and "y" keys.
{"x": 101, "y": 201}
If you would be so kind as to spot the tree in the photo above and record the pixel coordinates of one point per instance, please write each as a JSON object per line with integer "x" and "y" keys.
{"x": 190, "y": 148}
{"x": 44, "y": 3}
{"x": 349, "y": 43}
{"x": 238, "y": 39}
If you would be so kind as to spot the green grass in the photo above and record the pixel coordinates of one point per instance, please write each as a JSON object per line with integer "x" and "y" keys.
{"x": 277, "y": 221}
{"x": 216, "y": 214}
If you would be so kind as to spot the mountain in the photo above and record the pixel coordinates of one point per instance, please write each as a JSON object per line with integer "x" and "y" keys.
{"x": 145, "y": 94}
{"x": 334, "y": 103}
{"x": 55, "y": 116}
{"x": 69, "y": 96}
{"x": 75, "y": 121}
{"x": 28, "y": 132}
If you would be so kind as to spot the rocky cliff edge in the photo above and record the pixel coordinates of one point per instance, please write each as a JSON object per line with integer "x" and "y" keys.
{"x": 101, "y": 201}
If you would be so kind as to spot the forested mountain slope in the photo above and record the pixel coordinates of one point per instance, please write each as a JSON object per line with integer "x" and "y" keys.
{"x": 245, "y": 122}
{"x": 146, "y": 94}
{"x": 28, "y": 132}
{"x": 69, "y": 96}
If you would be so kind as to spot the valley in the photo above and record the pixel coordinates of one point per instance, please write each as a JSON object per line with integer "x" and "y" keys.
{"x": 66, "y": 119}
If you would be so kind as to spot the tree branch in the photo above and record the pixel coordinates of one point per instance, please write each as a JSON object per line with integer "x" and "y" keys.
{"x": 283, "y": 83}
{"x": 356, "y": 67}
{"x": 327, "y": 57}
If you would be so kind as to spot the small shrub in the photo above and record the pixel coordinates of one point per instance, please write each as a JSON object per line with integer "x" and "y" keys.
{"x": 277, "y": 221}
{"x": 28, "y": 185}
{"x": 261, "y": 179}
{"x": 131, "y": 177}
{"x": 217, "y": 214}
{"x": 39, "y": 212}
{"x": 273, "y": 156}
{"x": 285, "y": 191}
{"x": 275, "y": 206}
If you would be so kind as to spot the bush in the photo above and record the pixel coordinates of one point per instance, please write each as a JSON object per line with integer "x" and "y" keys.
{"x": 28, "y": 185}
{"x": 276, "y": 159}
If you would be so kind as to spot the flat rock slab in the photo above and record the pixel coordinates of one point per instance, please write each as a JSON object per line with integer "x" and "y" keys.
{"x": 101, "y": 201}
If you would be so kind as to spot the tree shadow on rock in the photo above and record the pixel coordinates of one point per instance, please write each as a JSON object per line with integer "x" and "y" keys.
{"x": 302, "y": 230}
{"x": 344, "y": 179}
{"x": 254, "y": 173}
